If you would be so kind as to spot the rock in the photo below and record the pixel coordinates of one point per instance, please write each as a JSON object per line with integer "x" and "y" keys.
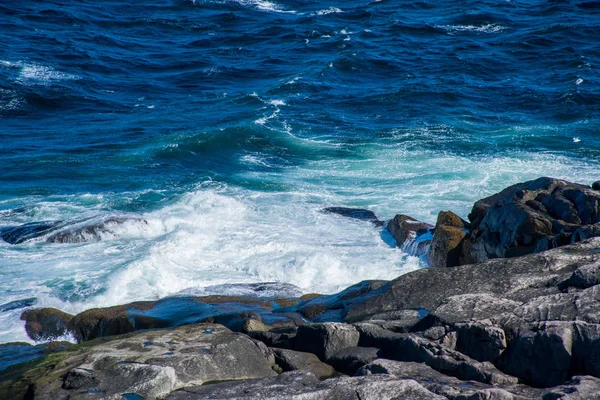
{"x": 290, "y": 360}
{"x": 15, "y": 353}
{"x": 22, "y": 233}
{"x": 530, "y": 217}
{"x": 481, "y": 340}
{"x": 446, "y": 247}
{"x": 71, "y": 231}
{"x": 46, "y": 323}
{"x": 349, "y": 360}
{"x": 282, "y": 338}
{"x": 477, "y": 306}
{"x": 516, "y": 279}
{"x": 149, "y": 364}
{"x": 304, "y": 386}
{"x": 238, "y": 313}
{"x": 355, "y": 213}
{"x": 585, "y": 276}
{"x": 92, "y": 229}
{"x": 325, "y": 339}
{"x": 402, "y": 227}
{"x": 596, "y": 185}
{"x": 410, "y": 347}
{"x": 330, "y": 308}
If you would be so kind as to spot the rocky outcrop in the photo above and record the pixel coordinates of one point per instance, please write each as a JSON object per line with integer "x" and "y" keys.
{"x": 148, "y": 364}
{"x": 305, "y": 386}
{"x": 531, "y": 217}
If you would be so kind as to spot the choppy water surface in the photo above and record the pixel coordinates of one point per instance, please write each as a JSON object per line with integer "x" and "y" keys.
{"x": 229, "y": 125}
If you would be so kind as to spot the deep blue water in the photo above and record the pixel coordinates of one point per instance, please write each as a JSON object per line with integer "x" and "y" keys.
{"x": 228, "y": 125}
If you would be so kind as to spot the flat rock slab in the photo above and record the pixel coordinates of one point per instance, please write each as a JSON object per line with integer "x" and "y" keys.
{"x": 149, "y": 364}
{"x": 290, "y": 360}
{"x": 305, "y": 386}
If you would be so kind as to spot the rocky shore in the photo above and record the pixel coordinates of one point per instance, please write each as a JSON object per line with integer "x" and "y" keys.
{"x": 509, "y": 309}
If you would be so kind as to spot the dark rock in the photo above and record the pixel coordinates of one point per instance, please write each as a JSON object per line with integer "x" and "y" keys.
{"x": 290, "y": 360}
{"x": 325, "y": 339}
{"x": 355, "y": 213}
{"x": 299, "y": 385}
{"x": 91, "y": 229}
{"x": 405, "y": 229}
{"x": 22, "y": 233}
{"x": 329, "y": 308}
{"x": 149, "y": 364}
{"x": 237, "y": 313}
{"x": 481, "y": 340}
{"x": 46, "y": 323}
{"x": 282, "y": 338}
{"x": 410, "y": 347}
{"x": 15, "y": 353}
{"x": 531, "y": 217}
{"x": 72, "y": 231}
{"x": 349, "y": 360}
{"x": 596, "y": 185}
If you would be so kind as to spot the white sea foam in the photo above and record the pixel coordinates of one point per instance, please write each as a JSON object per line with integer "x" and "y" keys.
{"x": 330, "y": 10}
{"x": 487, "y": 28}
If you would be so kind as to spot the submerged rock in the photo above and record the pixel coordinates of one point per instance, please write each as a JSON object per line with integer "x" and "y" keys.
{"x": 71, "y": 231}
{"x": 355, "y": 213}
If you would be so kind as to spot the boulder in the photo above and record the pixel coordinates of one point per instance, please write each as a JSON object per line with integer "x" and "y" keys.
{"x": 349, "y": 360}
{"x": 325, "y": 339}
{"x": 531, "y": 217}
{"x": 446, "y": 246}
{"x": 481, "y": 340}
{"x": 148, "y": 364}
{"x": 45, "y": 324}
{"x": 299, "y": 385}
{"x": 290, "y": 360}
{"x": 584, "y": 277}
{"x": 355, "y": 213}
{"x": 405, "y": 229}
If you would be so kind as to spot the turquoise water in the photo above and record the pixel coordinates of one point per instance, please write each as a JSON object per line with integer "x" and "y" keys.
{"x": 229, "y": 125}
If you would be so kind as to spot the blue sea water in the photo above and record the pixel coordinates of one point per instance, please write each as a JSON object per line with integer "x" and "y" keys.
{"x": 229, "y": 124}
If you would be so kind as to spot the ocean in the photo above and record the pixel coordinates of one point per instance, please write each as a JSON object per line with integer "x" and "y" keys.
{"x": 224, "y": 127}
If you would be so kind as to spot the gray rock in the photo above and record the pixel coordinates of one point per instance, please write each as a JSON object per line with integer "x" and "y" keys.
{"x": 517, "y": 279}
{"x": 585, "y": 276}
{"x": 349, "y": 360}
{"x": 410, "y": 347}
{"x": 481, "y": 340}
{"x": 150, "y": 364}
{"x": 290, "y": 360}
{"x": 531, "y": 217}
{"x": 477, "y": 306}
{"x": 304, "y": 386}
{"x": 325, "y": 339}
